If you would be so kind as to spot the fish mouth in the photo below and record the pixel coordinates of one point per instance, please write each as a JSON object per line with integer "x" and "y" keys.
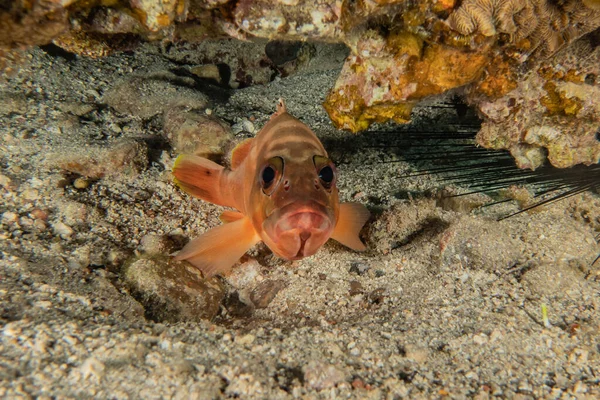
{"x": 299, "y": 230}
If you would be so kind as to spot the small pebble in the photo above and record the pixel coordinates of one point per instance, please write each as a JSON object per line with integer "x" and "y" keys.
{"x": 81, "y": 183}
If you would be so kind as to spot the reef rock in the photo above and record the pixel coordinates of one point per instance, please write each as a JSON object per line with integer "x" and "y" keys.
{"x": 555, "y": 109}
{"x": 400, "y": 53}
{"x": 172, "y": 291}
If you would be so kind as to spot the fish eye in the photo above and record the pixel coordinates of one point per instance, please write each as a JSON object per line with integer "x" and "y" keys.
{"x": 326, "y": 174}
{"x": 271, "y": 175}
{"x": 268, "y": 176}
{"x": 325, "y": 171}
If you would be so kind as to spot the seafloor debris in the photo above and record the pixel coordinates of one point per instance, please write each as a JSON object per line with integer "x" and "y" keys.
{"x": 401, "y": 53}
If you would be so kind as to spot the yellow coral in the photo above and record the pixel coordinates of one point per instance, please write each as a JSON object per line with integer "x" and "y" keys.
{"x": 556, "y": 102}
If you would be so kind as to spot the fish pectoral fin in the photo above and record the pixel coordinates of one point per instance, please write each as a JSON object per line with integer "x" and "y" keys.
{"x": 230, "y": 216}
{"x": 351, "y": 219}
{"x": 217, "y": 250}
{"x": 202, "y": 178}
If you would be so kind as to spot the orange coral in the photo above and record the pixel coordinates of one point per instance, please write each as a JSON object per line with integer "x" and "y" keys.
{"x": 399, "y": 71}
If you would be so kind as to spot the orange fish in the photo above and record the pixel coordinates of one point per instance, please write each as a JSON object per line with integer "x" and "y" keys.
{"x": 283, "y": 186}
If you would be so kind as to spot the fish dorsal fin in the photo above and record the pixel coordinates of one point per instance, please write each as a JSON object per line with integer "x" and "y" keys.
{"x": 281, "y": 108}
{"x": 240, "y": 152}
{"x": 351, "y": 219}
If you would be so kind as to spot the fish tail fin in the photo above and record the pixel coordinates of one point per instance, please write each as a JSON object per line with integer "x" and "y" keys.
{"x": 217, "y": 250}
{"x": 203, "y": 178}
{"x": 351, "y": 219}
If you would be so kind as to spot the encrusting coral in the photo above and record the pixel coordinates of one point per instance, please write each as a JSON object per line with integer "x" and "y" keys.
{"x": 555, "y": 109}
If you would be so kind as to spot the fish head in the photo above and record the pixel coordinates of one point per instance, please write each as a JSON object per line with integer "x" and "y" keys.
{"x": 297, "y": 202}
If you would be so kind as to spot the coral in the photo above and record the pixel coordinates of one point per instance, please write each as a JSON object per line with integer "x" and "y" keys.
{"x": 484, "y": 15}
{"x": 389, "y": 75}
{"x": 548, "y": 25}
{"x": 287, "y": 19}
{"x": 157, "y": 15}
{"x": 556, "y": 107}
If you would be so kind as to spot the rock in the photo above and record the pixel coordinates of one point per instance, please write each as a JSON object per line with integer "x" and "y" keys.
{"x": 359, "y": 268}
{"x": 290, "y": 19}
{"x": 356, "y": 288}
{"x": 9, "y": 217}
{"x": 193, "y": 132}
{"x": 12, "y": 103}
{"x": 158, "y": 15}
{"x": 77, "y": 108}
{"x": 237, "y": 306}
{"x": 319, "y": 376}
{"x": 111, "y": 20}
{"x": 173, "y": 291}
{"x": 564, "y": 279}
{"x": 403, "y": 223}
{"x": 81, "y": 183}
{"x": 479, "y": 245}
{"x": 264, "y": 293}
{"x": 152, "y": 94}
{"x": 208, "y": 71}
{"x": 31, "y": 23}
{"x": 61, "y": 229}
{"x": 127, "y": 157}
{"x": 155, "y": 245}
{"x": 245, "y": 275}
{"x": 92, "y": 367}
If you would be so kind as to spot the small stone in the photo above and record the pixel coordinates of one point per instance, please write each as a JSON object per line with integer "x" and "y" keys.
{"x": 10, "y": 218}
{"x": 319, "y": 376}
{"x": 194, "y": 132}
{"x": 359, "y": 268}
{"x": 245, "y": 274}
{"x": 244, "y": 125}
{"x": 480, "y": 339}
{"x": 264, "y": 293}
{"x": 153, "y": 245}
{"x": 37, "y": 213}
{"x": 92, "y": 367}
{"x": 61, "y": 229}
{"x": 30, "y": 194}
{"x": 5, "y": 181}
{"x": 416, "y": 353}
{"x": 173, "y": 291}
{"x": 207, "y": 71}
{"x": 81, "y": 183}
{"x": 245, "y": 339}
{"x": 355, "y": 288}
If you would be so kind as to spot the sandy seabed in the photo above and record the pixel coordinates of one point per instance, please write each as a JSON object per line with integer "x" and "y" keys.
{"x": 447, "y": 302}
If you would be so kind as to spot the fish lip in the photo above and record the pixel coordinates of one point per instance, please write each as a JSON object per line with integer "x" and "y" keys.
{"x": 312, "y": 207}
